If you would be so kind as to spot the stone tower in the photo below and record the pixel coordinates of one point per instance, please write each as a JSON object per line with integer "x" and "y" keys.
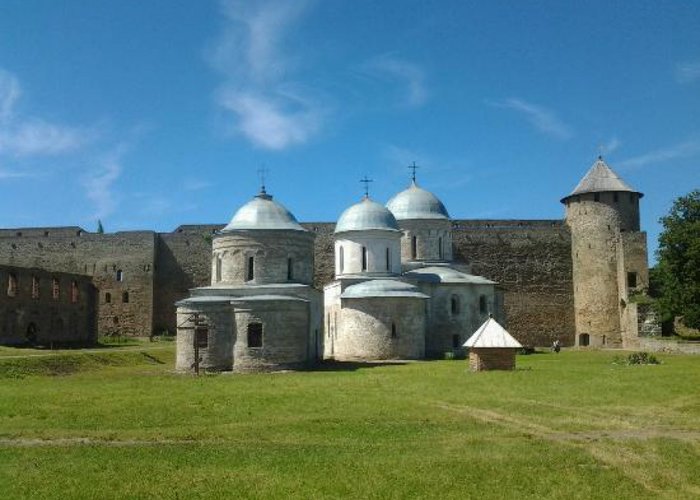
{"x": 608, "y": 254}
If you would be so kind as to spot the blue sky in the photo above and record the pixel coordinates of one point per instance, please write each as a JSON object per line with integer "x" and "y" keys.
{"x": 151, "y": 114}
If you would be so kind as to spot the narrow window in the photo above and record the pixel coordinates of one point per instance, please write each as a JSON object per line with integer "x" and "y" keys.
{"x": 604, "y": 339}
{"x": 290, "y": 269}
{"x": 74, "y": 292}
{"x": 414, "y": 247}
{"x": 341, "y": 257}
{"x": 255, "y": 335}
{"x": 364, "y": 258}
{"x": 201, "y": 336}
{"x": 631, "y": 280}
{"x": 440, "y": 248}
{"x": 35, "y": 287}
{"x": 125, "y": 297}
{"x": 217, "y": 263}
{"x": 55, "y": 289}
{"x": 454, "y": 304}
{"x": 631, "y": 197}
{"x": 108, "y": 298}
{"x": 120, "y": 275}
{"x": 12, "y": 285}
{"x": 393, "y": 330}
{"x": 388, "y": 260}
{"x": 456, "y": 342}
{"x": 251, "y": 268}
{"x": 596, "y": 197}
{"x": 615, "y": 197}
{"x": 482, "y": 304}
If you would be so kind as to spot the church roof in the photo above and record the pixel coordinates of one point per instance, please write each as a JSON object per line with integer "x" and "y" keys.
{"x": 444, "y": 274}
{"x": 600, "y": 178}
{"x": 366, "y": 215}
{"x": 262, "y": 212}
{"x": 491, "y": 334}
{"x": 417, "y": 203}
{"x": 382, "y": 288}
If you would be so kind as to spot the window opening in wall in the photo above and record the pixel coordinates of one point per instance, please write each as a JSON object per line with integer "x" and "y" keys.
{"x": 584, "y": 339}
{"x": 55, "y": 288}
{"x": 35, "y": 287}
{"x": 218, "y": 268}
{"x": 201, "y": 336}
{"x": 394, "y": 334}
{"x": 456, "y": 341}
{"x": 440, "y": 248}
{"x": 631, "y": 197}
{"x": 120, "y": 275}
{"x": 414, "y": 247}
{"x": 31, "y": 332}
{"x": 251, "y": 269}
{"x": 290, "y": 269}
{"x": 364, "y": 258}
{"x": 12, "y": 285}
{"x": 615, "y": 197}
{"x": 596, "y": 197}
{"x": 341, "y": 256}
{"x": 255, "y": 335}
{"x": 631, "y": 280}
{"x": 454, "y": 304}
{"x": 125, "y": 297}
{"x": 482, "y": 304}
{"x": 604, "y": 339}
{"x": 74, "y": 292}
{"x": 388, "y": 260}
{"x": 115, "y": 320}
{"x": 108, "y": 297}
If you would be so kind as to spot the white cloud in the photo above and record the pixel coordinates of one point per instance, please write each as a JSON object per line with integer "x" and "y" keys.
{"x": 99, "y": 183}
{"x": 688, "y": 72}
{"x": 27, "y": 136}
{"x": 610, "y": 146}
{"x": 543, "y": 119}
{"x": 686, "y": 149}
{"x": 259, "y": 74}
{"x": 406, "y": 73}
{"x": 13, "y": 174}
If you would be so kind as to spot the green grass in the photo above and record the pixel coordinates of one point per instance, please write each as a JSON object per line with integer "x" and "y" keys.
{"x": 572, "y": 425}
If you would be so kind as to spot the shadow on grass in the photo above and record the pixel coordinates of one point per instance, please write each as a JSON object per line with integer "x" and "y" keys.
{"x": 350, "y": 366}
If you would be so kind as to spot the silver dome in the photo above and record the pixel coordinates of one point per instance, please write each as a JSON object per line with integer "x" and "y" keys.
{"x": 382, "y": 288}
{"x": 366, "y": 215}
{"x": 263, "y": 213}
{"x": 417, "y": 203}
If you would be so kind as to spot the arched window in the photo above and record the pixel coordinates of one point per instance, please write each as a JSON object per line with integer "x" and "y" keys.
{"x": 290, "y": 269}
{"x": 251, "y": 269}
{"x": 120, "y": 275}
{"x": 414, "y": 247}
{"x": 55, "y": 289}
{"x": 255, "y": 335}
{"x": 364, "y": 258}
{"x": 482, "y": 304}
{"x": 125, "y": 297}
{"x": 74, "y": 292}
{"x": 341, "y": 258}
{"x": 12, "y": 285}
{"x": 388, "y": 260}
{"x": 394, "y": 333}
{"x": 108, "y": 298}
{"x": 440, "y": 248}
{"x": 454, "y": 304}
{"x": 217, "y": 264}
{"x": 35, "y": 287}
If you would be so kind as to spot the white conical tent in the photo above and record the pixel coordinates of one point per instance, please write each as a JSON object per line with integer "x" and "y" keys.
{"x": 492, "y": 335}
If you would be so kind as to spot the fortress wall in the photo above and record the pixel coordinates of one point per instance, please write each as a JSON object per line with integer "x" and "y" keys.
{"x": 531, "y": 261}
{"x": 324, "y": 261}
{"x": 100, "y": 256}
{"x": 183, "y": 260}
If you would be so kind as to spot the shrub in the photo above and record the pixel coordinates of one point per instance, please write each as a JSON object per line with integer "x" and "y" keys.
{"x": 636, "y": 358}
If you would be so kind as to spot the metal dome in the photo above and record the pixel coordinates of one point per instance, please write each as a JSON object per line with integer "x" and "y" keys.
{"x": 382, "y": 288}
{"x": 366, "y": 215}
{"x": 417, "y": 203}
{"x": 263, "y": 213}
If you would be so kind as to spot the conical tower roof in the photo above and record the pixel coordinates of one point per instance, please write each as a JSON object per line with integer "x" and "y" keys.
{"x": 601, "y": 178}
{"x": 492, "y": 335}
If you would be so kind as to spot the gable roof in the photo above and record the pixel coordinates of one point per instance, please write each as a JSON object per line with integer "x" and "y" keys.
{"x": 600, "y": 177}
{"x": 492, "y": 334}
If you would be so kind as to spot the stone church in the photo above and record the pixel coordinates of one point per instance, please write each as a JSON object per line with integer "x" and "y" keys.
{"x": 576, "y": 279}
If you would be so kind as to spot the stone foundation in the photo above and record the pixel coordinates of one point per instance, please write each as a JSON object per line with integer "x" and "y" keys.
{"x": 491, "y": 359}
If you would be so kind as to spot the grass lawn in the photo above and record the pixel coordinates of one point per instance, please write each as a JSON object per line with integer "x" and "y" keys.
{"x": 573, "y": 425}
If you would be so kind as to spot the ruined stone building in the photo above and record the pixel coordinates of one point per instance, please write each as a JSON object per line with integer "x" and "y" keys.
{"x": 574, "y": 279}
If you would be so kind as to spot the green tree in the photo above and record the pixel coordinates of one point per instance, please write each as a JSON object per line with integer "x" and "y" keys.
{"x": 676, "y": 278}
{"x": 100, "y": 229}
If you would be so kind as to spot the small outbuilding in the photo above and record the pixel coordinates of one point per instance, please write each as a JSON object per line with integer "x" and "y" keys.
{"x": 491, "y": 347}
